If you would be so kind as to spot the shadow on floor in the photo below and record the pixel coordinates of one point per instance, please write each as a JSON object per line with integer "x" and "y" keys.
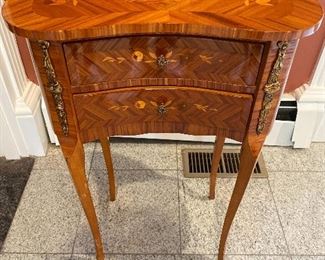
{"x": 14, "y": 175}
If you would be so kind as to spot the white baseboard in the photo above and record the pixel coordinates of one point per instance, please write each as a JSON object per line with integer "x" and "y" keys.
{"x": 281, "y": 134}
{"x": 30, "y": 120}
{"x": 22, "y": 129}
{"x": 310, "y": 123}
{"x": 48, "y": 124}
{"x": 319, "y": 136}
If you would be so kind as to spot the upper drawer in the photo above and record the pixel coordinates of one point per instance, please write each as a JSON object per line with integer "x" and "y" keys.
{"x": 165, "y": 60}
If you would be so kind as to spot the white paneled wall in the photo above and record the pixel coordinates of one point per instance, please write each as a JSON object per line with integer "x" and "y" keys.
{"x": 310, "y": 124}
{"x": 22, "y": 131}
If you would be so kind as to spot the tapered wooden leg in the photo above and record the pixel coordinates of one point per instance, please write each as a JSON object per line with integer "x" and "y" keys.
{"x": 109, "y": 165}
{"x": 76, "y": 164}
{"x": 248, "y": 159}
{"x": 220, "y": 141}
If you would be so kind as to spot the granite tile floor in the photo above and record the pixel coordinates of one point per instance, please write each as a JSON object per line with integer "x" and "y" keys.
{"x": 160, "y": 215}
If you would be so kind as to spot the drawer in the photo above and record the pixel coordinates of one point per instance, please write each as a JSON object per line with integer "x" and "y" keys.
{"x": 166, "y": 60}
{"x": 151, "y": 110}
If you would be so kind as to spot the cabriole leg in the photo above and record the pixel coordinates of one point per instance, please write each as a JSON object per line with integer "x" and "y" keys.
{"x": 248, "y": 158}
{"x": 76, "y": 162}
{"x": 109, "y": 165}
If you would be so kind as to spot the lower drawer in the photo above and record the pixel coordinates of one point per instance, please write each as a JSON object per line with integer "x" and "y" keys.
{"x": 173, "y": 109}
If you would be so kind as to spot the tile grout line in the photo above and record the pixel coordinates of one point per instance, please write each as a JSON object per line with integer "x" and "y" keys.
{"x": 279, "y": 218}
{"x": 179, "y": 202}
{"x": 76, "y": 233}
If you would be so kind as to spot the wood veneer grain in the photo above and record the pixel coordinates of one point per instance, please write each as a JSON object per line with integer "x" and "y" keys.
{"x": 245, "y": 19}
{"x": 185, "y": 109}
{"x": 192, "y": 61}
{"x": 190, "y": 111}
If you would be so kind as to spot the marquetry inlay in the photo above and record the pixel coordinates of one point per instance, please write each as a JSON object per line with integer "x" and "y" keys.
{"x": 246, "y": 19}
{"x": 130, "y": 67}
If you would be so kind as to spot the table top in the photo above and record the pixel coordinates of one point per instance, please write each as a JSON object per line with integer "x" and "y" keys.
{"x": 244, "y": 19}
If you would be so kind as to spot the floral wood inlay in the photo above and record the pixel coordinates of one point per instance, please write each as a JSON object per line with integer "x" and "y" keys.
{"x": 152, "y": 57}
{"x": 140, "y": 104}
{"x": 118, "y": 108}
{"x": 206, "y": 59}
{"x": 166, "y": 104}
{"x": 139, "y": 56}
{"x": 118, "y": 60}
{"x": 205, "y": 108}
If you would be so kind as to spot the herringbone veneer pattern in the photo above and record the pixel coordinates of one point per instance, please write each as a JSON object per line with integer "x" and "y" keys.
{"x": 249, "y": 19}
{"x": 213, "y": 109}
{"x": 130, "y": 61}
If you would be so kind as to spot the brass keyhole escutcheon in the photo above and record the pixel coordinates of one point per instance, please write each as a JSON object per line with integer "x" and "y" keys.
{"x": 162, "y": 110}
{"x": 162, "y": 61}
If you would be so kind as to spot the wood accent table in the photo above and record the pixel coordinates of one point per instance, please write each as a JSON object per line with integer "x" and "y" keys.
{"x": 126, "y": 67}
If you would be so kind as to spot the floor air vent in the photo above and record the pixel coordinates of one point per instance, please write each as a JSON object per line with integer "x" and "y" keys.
{"x": 197, "y": 164}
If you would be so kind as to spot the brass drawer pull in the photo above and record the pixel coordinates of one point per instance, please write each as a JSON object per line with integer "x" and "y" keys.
{"x": 162, "y": 61}
{"x": 162, "y": 110}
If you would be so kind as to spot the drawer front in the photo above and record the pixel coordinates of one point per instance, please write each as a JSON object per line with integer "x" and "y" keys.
{"x": 169, "y": 60}
{"x": 174, "y": 109}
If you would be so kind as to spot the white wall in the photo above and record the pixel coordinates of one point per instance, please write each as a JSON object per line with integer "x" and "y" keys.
{"x": 22, "y": 131}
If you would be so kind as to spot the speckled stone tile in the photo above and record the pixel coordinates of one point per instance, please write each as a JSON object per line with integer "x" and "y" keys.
{"x": 84, "y": 257}
{"x": 256, "y": 229}
{"x": 193, "y": 145}
{"x": 231, "y": 257}
{"x": 54, "y": 160}
{"x": 300, "y": 199}
{"x": 141, "y": 257}
{"x": 195, "y": 257}
{"x": 307, "y": 257}
{"x": 22, "y": 257}
{"x": 289, "y": 159}
{"x": 256, "y": 257}
{"x": 47, "y": 217}
{"x": 138, "y": 154}
{"x": 125, "y": 257}
{"x": 144, "y": 218}
{"x": 59, "y": 257}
